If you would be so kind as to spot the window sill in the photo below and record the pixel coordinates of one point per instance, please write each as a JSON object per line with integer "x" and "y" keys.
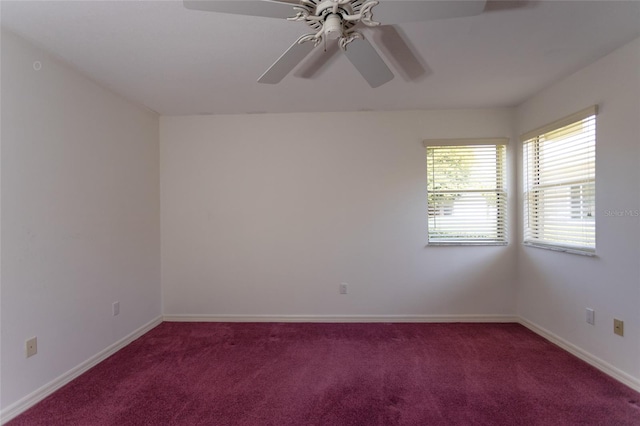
{"x": 569, "y": 250}
{"x": 467, "y": 244}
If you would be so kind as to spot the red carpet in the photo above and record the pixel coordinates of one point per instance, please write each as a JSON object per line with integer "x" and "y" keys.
{"x": 339, "y": 374}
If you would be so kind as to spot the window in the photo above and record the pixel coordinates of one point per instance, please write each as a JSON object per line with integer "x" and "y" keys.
{"x": 559, "y": 184}
{"x": 466, "y": 192}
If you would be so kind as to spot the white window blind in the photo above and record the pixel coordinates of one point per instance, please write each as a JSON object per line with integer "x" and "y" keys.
{"x": 559, "y": 184}
{"x": 466, "y": 191}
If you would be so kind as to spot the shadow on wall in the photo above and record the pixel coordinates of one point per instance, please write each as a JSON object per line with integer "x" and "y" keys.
{"x": 547, "y": 280}
{"x": 483, "y": 277}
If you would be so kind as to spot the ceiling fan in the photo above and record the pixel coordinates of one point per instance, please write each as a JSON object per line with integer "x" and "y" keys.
{"x": 340, "y": 20}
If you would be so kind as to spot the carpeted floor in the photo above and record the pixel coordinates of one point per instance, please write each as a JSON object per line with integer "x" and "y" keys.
{"x": 339, "y": 374}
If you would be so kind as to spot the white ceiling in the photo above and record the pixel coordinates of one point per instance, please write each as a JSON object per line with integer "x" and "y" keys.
{"x": 178, "y": 61}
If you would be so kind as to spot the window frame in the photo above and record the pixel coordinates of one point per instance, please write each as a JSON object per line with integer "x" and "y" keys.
{"x": 501, "y": 171}
{"x": 533, "y": 137}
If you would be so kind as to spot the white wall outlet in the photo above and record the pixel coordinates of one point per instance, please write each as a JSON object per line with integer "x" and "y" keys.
{"x": 116, "y": 308}
{"x": 591, "y": 316}
{"x": 32, "y": 346}
{"x": 344, "y": 288}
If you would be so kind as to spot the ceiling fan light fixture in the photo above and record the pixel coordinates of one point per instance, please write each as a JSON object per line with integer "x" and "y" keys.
{"x": 333, "y": 26}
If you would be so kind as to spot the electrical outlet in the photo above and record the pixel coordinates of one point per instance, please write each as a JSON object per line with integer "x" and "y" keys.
{"x": 344, "y": 287}
{"x": 591, "y": 316}
{"x": 32, "y": 346}
{"x": 116, "y": 308}
{"x": 618, "y": 327}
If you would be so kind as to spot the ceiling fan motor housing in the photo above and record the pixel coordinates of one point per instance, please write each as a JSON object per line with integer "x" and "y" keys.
{"x": 335, "y": 6}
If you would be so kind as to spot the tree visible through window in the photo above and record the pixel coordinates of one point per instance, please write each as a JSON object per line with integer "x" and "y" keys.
{"x": 466, "y": 193}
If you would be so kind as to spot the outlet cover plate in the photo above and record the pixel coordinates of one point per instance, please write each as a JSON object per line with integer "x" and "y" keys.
{"x": 618, "y": 327}
{"x": 32, "y": 347}
{"x": 591, "y": 316}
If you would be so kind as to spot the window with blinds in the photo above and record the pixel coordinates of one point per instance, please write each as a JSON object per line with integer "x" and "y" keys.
{"x": 559, "y": 184}
{"x": 466, "y": 191}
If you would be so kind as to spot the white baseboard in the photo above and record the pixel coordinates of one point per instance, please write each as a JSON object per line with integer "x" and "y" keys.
{"x": 590, "y": 359}
{"x": 36, "y": 396}
{"x": 341, "y": 318}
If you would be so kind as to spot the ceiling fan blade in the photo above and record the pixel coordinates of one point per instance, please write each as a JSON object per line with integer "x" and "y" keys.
{"x": 285, "y": 63}
{"x": 401, "y": 11}
{"x": 319, "y": 60}
{"x": 396, "y": 48}
{"x": 264, "y": 8}
{"x": 367, "y": 61}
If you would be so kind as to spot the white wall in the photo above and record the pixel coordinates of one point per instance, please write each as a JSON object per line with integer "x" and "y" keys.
{"x": 267, "y": 214}
{"x": 80, "y": 218}
{"x": 555, "y": 288}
